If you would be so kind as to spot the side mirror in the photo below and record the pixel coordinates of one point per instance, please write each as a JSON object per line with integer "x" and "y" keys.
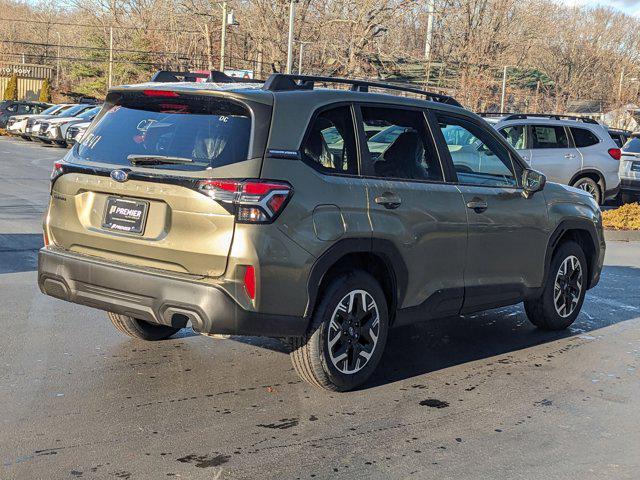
{"x": 532, "y": 182}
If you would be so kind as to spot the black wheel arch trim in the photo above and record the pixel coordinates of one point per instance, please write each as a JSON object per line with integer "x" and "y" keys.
{"x": 568, "y": 225}
{"x": 585, "y": 173}
{"x": 384, "y": 249}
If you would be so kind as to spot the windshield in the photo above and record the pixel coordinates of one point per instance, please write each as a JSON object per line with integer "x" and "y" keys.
{"x": 632, "y": 145}
{"x": 88, "y": 114}
{"x": 388, "y": 135}
{"x": 72, "y": 110}
{"x": 51, "y": 110}
{"x": 210, "y": 132}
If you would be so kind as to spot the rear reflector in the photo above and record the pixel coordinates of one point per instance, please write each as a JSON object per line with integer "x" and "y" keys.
{"x": 253, "y": 201}
{"x": 615, "y": 153}
{"x": 250, "y": 282}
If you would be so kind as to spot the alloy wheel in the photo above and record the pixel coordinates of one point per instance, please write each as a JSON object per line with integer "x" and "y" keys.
{"x": 568, "y": 286}
{"x": 353, "y": 331}
{"x": 589, "y": 188}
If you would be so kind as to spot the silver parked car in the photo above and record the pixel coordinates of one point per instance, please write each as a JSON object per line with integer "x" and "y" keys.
{"x": 54, "y": 130}
{"x": 575, "y": 151}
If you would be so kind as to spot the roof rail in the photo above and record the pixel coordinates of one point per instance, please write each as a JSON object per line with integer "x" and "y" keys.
{"x": 494, "y": 114}
{"x": 166, "y": 76}
{"x": 280, "y": 82}
{"x": 554, "y": 116}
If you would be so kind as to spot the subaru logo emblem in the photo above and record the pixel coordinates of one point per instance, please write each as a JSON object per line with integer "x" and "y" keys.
{"x": 119, "y": 175}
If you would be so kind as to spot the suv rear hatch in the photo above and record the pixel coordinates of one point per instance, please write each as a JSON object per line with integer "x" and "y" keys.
{"x": 130, "y": 190}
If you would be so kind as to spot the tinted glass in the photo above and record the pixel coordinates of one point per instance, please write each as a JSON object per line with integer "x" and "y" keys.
{"x": 516, "y": 136}
{"x": 208, "y": 132}
{"x": 478, "y": 158}
{"x": 632, "y": 145}
{"x": 403, "y": 149}
{"x": 583, "y": 137}
{"x": 330, "y": 144}
{"x": 547, "y": 136}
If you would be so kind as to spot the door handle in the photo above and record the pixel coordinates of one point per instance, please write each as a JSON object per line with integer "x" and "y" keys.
{"x": 477, "y": 205}
{"x": 388, "y": 200}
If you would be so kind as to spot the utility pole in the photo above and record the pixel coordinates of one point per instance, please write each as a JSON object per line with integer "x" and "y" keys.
{"x": 58, "y": 62}
{"x": 292, "y": 16}
{"x": 429, "y": 37}
{"x": 223, "y": 38}
{"x": 504, "y": 88}
{"x": 208, "y": 39}
{"x": 110, "y": 56}
{"x": 302, "y": 44}
{"x": 620, "y": 85}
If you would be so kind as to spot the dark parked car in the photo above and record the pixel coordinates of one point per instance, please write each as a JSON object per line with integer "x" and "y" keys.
{"x": 9, "y": 108}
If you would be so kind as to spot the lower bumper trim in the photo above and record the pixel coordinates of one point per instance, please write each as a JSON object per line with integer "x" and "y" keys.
{"x": 156, "y": 298}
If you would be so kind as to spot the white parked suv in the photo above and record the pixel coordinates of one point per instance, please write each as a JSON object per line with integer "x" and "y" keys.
{"x": 576, "y": 151}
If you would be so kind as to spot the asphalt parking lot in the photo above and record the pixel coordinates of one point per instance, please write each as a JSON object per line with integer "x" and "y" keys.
{"x": 485, "y": 396}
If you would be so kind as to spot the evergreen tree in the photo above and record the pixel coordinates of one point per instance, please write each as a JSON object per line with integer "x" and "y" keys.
{"x": 45, "y": 92}
{"x": 11, "y": 91}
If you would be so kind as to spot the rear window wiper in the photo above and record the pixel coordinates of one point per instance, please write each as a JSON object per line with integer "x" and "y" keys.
{"x": 157, "y": 160}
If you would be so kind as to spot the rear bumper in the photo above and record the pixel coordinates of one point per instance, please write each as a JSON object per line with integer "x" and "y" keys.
{"x": 612, "y": 193}
{"x": 630, "y": 186}
{"x": 154, "y": 296}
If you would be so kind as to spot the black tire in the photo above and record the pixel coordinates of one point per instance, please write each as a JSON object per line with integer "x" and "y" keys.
{"x": 629, "y": 198}
{"x": 542, "y": 311}
{"x": 311, "y": 356}
{"x": 140, "y": 328}
{"x": 589, "y": 185}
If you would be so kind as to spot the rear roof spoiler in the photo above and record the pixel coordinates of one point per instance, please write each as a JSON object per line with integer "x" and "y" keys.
{"x": 167, "y": 76}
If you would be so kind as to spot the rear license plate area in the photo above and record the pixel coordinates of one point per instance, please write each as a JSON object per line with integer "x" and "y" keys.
{"x": 125, "y": 215}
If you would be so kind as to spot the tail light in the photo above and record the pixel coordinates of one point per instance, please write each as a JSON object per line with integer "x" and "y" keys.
{"x": 58, "y": 170}
{"x": 615, "y": 153}
{"x": 253, "y": 201}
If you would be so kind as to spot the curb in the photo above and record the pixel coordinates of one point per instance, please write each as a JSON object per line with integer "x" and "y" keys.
{"x": 622, "y": 235}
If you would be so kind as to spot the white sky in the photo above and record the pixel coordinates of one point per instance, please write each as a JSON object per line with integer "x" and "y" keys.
{"x": 628, "y": 6}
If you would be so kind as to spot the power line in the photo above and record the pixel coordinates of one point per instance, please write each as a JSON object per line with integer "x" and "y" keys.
{"x": 200, "y": 59}
{"x": 115, "y": 27}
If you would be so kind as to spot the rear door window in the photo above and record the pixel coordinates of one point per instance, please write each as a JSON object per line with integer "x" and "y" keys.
{"x": 330, "y": 144}
{"x": 403, "y": 149}
{"x": 583, "y": 137}
{"x": 549, "y": 136}
{"x": 183, "y": 133}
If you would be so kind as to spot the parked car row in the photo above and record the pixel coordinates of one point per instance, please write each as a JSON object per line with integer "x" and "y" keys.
{"x": 61, "y": 125}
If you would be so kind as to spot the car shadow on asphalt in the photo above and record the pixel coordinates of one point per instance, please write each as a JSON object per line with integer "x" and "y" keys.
{"x": 19, "y": 252}
{"x": 434, "y": 345}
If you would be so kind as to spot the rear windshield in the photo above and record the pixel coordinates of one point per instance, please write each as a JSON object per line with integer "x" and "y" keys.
{"x": 202, "y": 132}
{"x": 632, "y": 145}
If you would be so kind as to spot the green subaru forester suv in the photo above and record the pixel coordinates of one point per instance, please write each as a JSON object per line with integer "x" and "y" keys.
{"x": 266, "y": 209}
